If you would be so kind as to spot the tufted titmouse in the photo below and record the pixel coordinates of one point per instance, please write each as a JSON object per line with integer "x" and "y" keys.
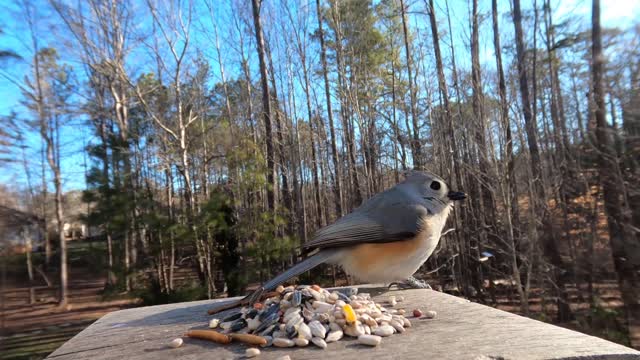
{"x": 386, "y": 239}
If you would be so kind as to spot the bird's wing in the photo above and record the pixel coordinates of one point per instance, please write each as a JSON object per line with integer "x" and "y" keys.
{"x": 387, "y": 217}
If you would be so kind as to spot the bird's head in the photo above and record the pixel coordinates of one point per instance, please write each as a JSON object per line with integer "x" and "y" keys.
{"x": 433, "y": 189}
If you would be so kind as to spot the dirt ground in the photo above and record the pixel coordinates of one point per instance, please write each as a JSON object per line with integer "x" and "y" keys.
{"x": 33, "y": 330}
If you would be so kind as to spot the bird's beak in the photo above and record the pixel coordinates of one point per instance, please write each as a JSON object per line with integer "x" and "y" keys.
{"x": 456, "y": 195}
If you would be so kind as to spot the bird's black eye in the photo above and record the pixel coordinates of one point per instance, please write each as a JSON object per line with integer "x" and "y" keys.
{"x": 435, "y": 185}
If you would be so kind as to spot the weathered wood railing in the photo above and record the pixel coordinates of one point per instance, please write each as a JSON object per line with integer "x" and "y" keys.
{"x": 461, "y": 330}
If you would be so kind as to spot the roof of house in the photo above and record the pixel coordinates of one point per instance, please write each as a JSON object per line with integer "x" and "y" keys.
{"x": 10, "y": 217}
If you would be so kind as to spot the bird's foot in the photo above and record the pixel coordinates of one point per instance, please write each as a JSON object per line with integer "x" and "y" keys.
{"x": 411, "y": 283}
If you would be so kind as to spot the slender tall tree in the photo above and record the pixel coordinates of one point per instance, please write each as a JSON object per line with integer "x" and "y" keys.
{"x": 624, "y": 246}
{"x": 266, "y": 106}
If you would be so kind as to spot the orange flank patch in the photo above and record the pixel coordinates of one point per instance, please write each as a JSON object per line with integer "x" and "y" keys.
{"x": 366, "y": 256}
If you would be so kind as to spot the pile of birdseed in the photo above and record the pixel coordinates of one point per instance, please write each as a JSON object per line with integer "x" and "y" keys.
{"x": 297, "y": 316}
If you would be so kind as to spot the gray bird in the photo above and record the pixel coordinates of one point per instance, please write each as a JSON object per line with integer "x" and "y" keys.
{"x": 384, "y": 240}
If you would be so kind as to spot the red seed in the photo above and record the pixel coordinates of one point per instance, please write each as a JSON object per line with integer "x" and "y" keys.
{"x": 258, "y": 306}
{"x": 315, "y": 287}
{"x": 417, "y": 313}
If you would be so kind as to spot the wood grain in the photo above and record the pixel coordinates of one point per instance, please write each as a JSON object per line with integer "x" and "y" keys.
{"x": 462, "y": 330}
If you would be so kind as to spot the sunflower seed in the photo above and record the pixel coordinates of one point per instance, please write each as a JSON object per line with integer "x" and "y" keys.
{"x": 319, "y": 342}
{"x": 252, "y": 352}
{"x": 176, "y": 343}
{"x": 334, "y": 336}
{"x": 282, "y": 342}
{"x": 371, "y": 340}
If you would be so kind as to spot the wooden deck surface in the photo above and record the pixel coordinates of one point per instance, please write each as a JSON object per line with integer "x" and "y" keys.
{"x": 461, "y": 330}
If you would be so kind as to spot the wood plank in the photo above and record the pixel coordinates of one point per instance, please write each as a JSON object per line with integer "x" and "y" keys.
{"x": 462, "y": 330}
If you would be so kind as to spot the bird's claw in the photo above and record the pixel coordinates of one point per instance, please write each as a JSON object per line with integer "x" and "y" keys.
{"x": 411, "y": 283}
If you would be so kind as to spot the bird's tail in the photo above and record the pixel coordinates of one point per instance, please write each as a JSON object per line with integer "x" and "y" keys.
{"x": 307, "y": 264}
{"x": 304, "y": 265}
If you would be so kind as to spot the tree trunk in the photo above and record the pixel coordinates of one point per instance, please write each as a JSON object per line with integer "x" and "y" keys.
{"x": 510, "y": 197}
{"x": 549, "y": 245}
{"x": 334, "y": 147}
{"x": 266, "y": 107}
{"x": 625, "y": 247}
{"x": 43, "y": 209}
{"x": 416, "y": 144}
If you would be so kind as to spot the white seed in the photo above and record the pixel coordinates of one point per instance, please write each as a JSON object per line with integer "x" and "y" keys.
{"x": 253, "y": 324}
{"x": 213, "y": 323}
{"x": 368, "y": 320}
{"x": 367, "y": 329}
{"x": 340, "y": 303}
{"x": 334, "y": 336}
{"x": 338, "y": 314}
{"x": 304, "y": 331}
{"x": 406, "y": 322}
{"x": 354, "y": 330}
{"x": 316, "y": 295}
{"x": 295, "y": 320}
{"x": 280, "y": 289}
{"x": 397, "y": 325}
{"x": 322, "y": 307}
{"x": 401, "y": 311}
{"x": 252, "y": 352}
{"x": 291, "y": 311}
{"x": 301, "y": 342}
{"x": 384, "y": 330}
{"x": 334, "y": 327}
{"x": 400, "y": 298}
{"x": 176, "y": 343}
{"x": 282, "y": 342}
{"x": 430, "y": 314}
{"x": 319, "y": 342}
{"x": 371, "y": 340}
{"x": 291, "y": 315}
{"x": 384, "y": 318}
{"x": 341, "y": 322}
{"x": 317, "y": 329}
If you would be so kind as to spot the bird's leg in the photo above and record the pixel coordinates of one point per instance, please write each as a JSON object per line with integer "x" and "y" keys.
{"x": 411, "y": 283}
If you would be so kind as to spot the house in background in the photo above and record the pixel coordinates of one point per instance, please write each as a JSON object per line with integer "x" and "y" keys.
{"x": 20, "y": 232}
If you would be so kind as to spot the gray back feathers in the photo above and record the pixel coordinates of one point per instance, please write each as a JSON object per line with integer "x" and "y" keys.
{"x": 392, "y": 215}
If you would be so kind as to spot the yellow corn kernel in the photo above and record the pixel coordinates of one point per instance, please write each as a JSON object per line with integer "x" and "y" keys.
{"x": 349, "y": 314}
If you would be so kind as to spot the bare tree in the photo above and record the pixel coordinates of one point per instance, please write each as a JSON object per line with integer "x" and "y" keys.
{"x": 334, "y": 147}
{"x": 266, "y": 106}
{"x": 624, "y": 246}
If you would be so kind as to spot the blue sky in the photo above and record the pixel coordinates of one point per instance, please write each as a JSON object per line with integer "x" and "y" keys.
{"x": 75, "y": 136}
